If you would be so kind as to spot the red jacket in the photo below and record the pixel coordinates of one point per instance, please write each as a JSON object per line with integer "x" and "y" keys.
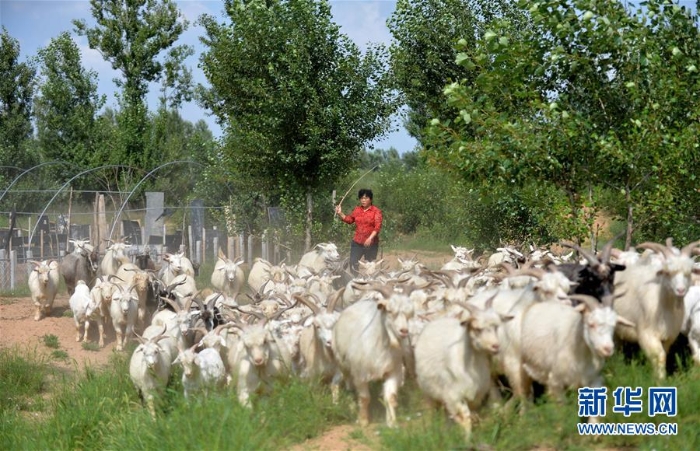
{"x": 367, "y": 221}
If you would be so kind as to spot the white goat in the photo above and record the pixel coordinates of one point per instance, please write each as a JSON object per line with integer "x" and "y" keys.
{"x": 453, "y": 359}
{"x": 175, "y": 265}
{"x": 228, "y": 276}
{"x": 114, "y": 257}
{"x": 367, "y": 343}
{"x": 691, "y": 321}
{"x": 123, "y": 310}
{"x": 257, "y": 359}
{"x": 323, "y": 256}
{"x": 651, "y": 297}
{"x": 565, "y": 347}
{"x": 315, "y": 346}
{"x": 461, "y": 260}
{"x": 201, "y": 371}
{"x": 263, "y": 272}
{"x": 43, "y": 283}
{"x": 134, "y": 276}
{"x": 149, "y": 369}
{"x": 86, "y": 308}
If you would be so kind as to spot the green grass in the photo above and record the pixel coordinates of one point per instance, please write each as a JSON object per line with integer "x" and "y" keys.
{"x": 91, "y": 346}
{"x": 59, "y": 354}
{"x": 51, "y": 341}
{"x": 22, "y": 376}
{"x": 20, "y": 291}
{"x": 100, "y": 409}
{"x": 552, "y": 425}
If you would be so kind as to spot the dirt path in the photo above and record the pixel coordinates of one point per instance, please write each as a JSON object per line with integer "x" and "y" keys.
{"x": 18, "y": 328}
{"x": 340, "y": 438}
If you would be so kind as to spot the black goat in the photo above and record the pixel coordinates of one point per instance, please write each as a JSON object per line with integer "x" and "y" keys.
{"x": 597, "y": 277}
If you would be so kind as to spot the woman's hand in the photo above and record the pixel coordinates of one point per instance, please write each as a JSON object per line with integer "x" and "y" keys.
{"x": 368, "y": 242}
{"x": 338, "y": 210}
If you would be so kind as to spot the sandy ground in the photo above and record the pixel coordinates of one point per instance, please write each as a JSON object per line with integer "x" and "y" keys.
{"x": 17, "y": 327}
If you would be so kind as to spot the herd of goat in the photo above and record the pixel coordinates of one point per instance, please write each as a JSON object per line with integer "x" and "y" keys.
{"x": 540, "y": 317}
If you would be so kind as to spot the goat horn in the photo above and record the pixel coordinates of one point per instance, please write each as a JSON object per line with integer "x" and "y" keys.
{"x": 279, "y": 313}
{"x": 590, "y": 301}
{"x": 689, "y": 248}
{"x": 607, "y": 249}
{"x": 658, "y": 248}
{"x": 592, "y": 259}
{"x": 314, "y": 308}
{"x": 161, "y": 335}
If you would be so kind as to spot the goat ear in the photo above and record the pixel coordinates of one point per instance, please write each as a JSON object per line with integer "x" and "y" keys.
{"x": 381, "y": 304}
{"x": 506, "y": 318}
{"x": 582, "y": 307}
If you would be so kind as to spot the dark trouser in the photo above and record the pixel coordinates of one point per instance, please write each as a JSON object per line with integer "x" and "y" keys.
{"x": 358, "y": 250}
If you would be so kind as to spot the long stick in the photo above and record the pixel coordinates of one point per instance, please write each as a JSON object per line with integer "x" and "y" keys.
{"x": 355, "y": 183}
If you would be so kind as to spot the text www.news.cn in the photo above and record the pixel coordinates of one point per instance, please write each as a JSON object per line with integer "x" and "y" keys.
{"x": 627, "y": 429}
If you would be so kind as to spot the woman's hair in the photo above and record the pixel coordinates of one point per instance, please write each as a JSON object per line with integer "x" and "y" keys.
{"x": 365, "y": 192}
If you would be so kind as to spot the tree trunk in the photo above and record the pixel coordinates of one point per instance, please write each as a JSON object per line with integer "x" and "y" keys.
{"x": 309, "y": 220}
{"x": 594, "y": 231}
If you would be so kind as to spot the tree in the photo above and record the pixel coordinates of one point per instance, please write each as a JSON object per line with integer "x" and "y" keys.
{"x": 17, "y": 83}
{"x": 66, "y": 107}
{"x": 423, "y": 54}
{"x": 590, "y": 95}
{"x": 296, "y": 97}
{"x": 131, "y": 35}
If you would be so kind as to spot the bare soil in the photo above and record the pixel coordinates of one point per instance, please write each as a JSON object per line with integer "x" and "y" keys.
{"x": 18, "y": 328}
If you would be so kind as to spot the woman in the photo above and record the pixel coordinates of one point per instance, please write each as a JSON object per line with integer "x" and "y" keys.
{"x": 368, "y": 223}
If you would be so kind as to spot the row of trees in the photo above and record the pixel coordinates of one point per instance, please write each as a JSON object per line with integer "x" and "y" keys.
{"x": 532, "y": 118}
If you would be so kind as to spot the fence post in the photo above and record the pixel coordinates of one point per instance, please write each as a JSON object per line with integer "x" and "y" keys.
{"x": 198, "y": 254}
{"x": 231, "y": 247}
{"x": 189, "y": 241}
{"x": 3, "y": 268}
{"x": 204, "y": 246}
{"x": 215, "y": 242}
{"x": 241, "y": 246}
{"x": 13, "y": 266}
{"x": 263, "y": 246}
{"x": 250, "y": 248}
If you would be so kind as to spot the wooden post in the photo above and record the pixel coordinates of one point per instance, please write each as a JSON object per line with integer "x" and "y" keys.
{"x": 231, "y": 248}
{"x": 29, "y": 244}
{"x": 204, "y": 246}
{"x": 250, "y": 248}
{"x": 70, "y": 208}
{"x": 94, "y": 236}
{"x": 263, "y": 246}
{"x": 41, "y": 245}
{"x": 3, "y": 265}
{"x": 189, "y": 241}
{"x": 241, "y": 246}
{"x": 13, "y": 268}
{"x": 102, "y": 227}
